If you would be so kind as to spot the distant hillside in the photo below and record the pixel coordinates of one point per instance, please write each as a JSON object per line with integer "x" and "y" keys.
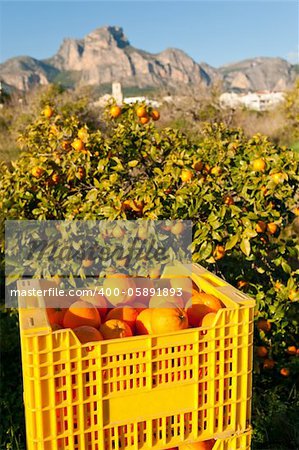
{"x": 255, "y": 74}
{"x": 106, "y": 55}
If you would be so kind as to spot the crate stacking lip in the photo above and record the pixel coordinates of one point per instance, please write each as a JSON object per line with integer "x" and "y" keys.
{"x": 142, "y": 392}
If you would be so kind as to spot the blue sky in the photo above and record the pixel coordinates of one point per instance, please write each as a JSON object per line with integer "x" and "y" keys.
{"x": 216, "y": 32}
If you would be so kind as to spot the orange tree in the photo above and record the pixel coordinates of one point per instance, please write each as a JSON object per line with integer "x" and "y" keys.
{"x": 240, "y": 194}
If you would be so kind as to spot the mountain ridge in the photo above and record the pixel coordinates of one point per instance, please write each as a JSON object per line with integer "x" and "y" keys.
{"x": 105, "y": 55}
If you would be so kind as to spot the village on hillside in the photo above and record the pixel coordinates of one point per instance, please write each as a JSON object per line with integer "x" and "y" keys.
{"x": 257, "y": 101}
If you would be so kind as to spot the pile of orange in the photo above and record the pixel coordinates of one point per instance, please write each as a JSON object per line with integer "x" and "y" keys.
{"x": 144, "y": 115}
{"x": 119, "y": 316}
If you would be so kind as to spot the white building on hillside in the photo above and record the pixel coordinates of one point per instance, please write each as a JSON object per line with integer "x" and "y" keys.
{"x": 117, "y": 95}
{"x": 257, "y": 101}
{"x": 132, "y": 100}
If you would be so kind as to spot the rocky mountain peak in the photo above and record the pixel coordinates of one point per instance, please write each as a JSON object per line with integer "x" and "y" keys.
{"x": 105, "y": 55}
{"x": 109, "y": 35}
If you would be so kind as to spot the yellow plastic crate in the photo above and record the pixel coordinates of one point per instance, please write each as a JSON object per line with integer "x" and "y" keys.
{"x": 239, "y": 441}
{"x": 143, "y": 392}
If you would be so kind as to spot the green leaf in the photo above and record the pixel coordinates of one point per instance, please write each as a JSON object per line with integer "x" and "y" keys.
{"x": 92, "y": 195}
{"x": 245, "y": 246}
{"x": 205, "y": 250}
{"x": 249, "y": 233}
{"x": 96, "y": 183}
{"x": 133, "y": 163}
{"x": 232, "y": 242}
{"x": 285, "y": 267}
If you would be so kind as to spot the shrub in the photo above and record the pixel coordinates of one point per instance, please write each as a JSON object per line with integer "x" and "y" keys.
{"x": 240, "y": 194}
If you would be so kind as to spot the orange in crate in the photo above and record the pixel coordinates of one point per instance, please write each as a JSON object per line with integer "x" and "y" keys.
{"x": 146, "y": 392}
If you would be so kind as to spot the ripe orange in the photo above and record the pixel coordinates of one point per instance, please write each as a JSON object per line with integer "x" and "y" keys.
{"x": 144, "y": 120}
{"x": 203, "y": 445}
{"x": 268, "y": 364}
{"x": 261, "y": 226}
{"x": 155, "y": 115}
{"x": 56, "y": 315}
{"x": 37, "y": 172}
{"x": 137, "y": 205}
{"x": 264, "y": 325}
{"x": 140, "y": 306}
{"x": 242, "y": 284}
{"x": 296, "y": 211}
{"x": 228, "y": 200}
{"x": 293, "y": 294}
{"x": 177, "y": 228}
{"x": 198, "y": 166}
{"x": 87, "y": 334}
{"x": 65, "y": 145}
{"x": 168, "y": 319}
{"x": 55, "y": 178}
{"x": 56, "y": 327}
{"x": 115, "y": 111}
{"x": 141, "y": 112}
{"x": 272, "y": 228}
{"x": 99, "y": 301}
{"x": 143, "y": 322}
{"x": 48, "y": 112}
{"x": 292, "y": 350}
{"x": 56, "y": 158}
{"x": 126, "y": 313}
{"x": 81, "y": 313}
{"x": 118, "y": 289}
{"x": 278, "y": 177}
{"x": 216, "y": 170}
{"x": 155, "y": 272}
{"x": 278, "y": 285}
{"x": 87, "y": 263}
{"x": 126, "y": 205}
{"x": 186, "y": 175}
{"x": 209, "y": 300}
{"x": 83, "y": 134}
{"x": 78, "y": 145}
{"x": 259, "y": 165}
{"x": 158, "y": 301}
{"x": 285, "y": 372}
{"x": 219, "y": 252}
{"x": 115, "y": 329}
{"x": 208, "y": 320}
{"x": 261, "y": 351}
{"x": 196, "y": 310}
{"x": 112, "y": 274}
{"x": 54, "y": 130}
{"x": 195, "y": 290}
